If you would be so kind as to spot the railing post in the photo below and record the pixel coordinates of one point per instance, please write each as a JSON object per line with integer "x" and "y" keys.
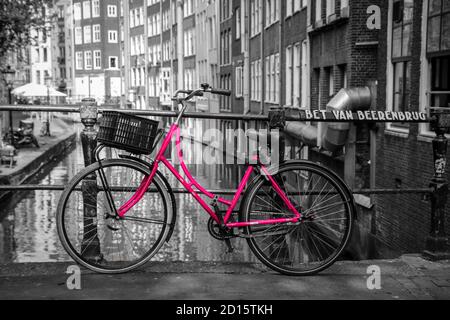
{"x": 436, "y": 245}
{"x": 90, "y": 243}
{"x": 277, "y": 121}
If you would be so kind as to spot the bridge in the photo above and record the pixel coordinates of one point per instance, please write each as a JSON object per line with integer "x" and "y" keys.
{"x": 286, "y": 120}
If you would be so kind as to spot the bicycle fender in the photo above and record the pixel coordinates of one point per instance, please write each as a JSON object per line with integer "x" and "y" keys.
{"x": 169, "y": 190}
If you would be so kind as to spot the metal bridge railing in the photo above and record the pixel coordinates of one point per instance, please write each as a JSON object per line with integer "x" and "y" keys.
{"x": 438, "y": 190}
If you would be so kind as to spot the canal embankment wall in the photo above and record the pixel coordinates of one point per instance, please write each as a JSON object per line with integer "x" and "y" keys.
{"x": 29, "y": 165}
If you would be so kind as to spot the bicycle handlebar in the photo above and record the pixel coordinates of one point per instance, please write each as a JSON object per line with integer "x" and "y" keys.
{"x": 199, "y": 92}
{"x": 195, "y": 93}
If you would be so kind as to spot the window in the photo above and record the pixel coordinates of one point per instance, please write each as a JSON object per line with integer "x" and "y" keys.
{"x": 225, "y": 40}
{"x": 225, "y": 9}
{"x": 330, "y": 75}
{"x": 113, "y": 62}
{"x": 95, "y": 8}
{"x": 142, "y": 18}
{"x": 79, "y": 60}
{"x": 402, "y": 84}
{"x": 299, "y": 4}
{"x": 343, "y": 76}
{"x": 293, "y": 6}
{"x": 344, "y": 4}
{"x": 331, "y": 7}
{"x": 112, "y": 36}
{"x": 276, "y": 78}
{"x": 88, "y": 60}
{"x": 438, "y": 46}
{"x": 272, "y": 12}
{"x": 268, "y": 88}
{"x": 401, "y": 52}
{"x": 86, "y": 9}
{"x": 225, "y": 83}
{"x": 97, "y": 33}
{"x": 189, "y": 42}
{"x": 402, "y": 28}
{"x": 318, "y": 10}
{"x": 45, "y": 55}
{"x": 238, "y": 23}
{"x": 289, "y": 73}
{"x": 87, "y": 34}
{"x": 304, "y": 72}
{"x": 256, "y": 17}
{"x": 400, "y": 57}
{"x": 289, "y": 7}
{"x": 272, "y": 78}
{"x": 77, "y": 11}
{"x": 188, "y": 7}
{"x": 239, "y": 81}
{"x": 137, "y": 17}
{"x": 97, "y": 59}
{"x": 440, "y": 82}
{"x": 112, "y": 11}
{"x": 297, "y": 74}
{"x": 78, "y": 35}
{"x": 255, "y": 70}
{"x": 438, "y": 26}
{"x": 131, "y": 19}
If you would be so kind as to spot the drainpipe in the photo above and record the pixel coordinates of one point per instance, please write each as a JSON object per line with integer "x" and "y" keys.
{"x": 353, "y": 99}
{"x": 334, "y": 135}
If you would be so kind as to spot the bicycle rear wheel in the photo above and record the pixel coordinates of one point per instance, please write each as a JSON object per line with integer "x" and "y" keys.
{"x": 314, "y": 243}
{"x": 94, "y": 237}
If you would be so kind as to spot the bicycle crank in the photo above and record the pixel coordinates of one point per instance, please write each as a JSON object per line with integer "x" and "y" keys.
{"x": 219, "y": 232}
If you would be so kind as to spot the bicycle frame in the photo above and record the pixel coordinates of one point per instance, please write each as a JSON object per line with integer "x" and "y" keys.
{"x": 191, "y": 183}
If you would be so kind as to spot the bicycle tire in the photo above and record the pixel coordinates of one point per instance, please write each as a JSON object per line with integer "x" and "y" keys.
{"x": 285, "y": 265}
{"x": 64, "y": 222}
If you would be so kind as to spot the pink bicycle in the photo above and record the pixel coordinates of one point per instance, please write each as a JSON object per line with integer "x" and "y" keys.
{"x": 116, "y": 214}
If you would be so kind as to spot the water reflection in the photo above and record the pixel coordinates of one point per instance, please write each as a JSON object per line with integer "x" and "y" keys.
{"x": 28, "y": 227}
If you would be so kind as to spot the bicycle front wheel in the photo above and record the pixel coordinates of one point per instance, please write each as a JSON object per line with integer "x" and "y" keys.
{"x": 314, "y": 243}
{"x": 92, "y": 234}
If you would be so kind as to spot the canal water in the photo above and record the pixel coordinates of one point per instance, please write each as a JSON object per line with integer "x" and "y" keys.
{"x": 28, "y": 230}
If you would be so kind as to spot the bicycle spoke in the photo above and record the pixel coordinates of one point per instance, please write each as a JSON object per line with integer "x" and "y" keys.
{"x": 124, "y": 243}
{"x": 313, "y": 243}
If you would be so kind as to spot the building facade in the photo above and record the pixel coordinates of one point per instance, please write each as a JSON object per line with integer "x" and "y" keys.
{"x": 97, "y": 50}
{"x": 62, "y": 47}
{"x": 163, "y": 37}
{"x": 41, "y": 52}
{"x": 414, "y": 75}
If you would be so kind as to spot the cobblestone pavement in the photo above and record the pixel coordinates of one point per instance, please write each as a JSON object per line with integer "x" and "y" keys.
{"x": 409, "y": 277}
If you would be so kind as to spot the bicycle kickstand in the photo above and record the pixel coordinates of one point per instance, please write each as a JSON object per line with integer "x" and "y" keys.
{"x": 229, "y": 245}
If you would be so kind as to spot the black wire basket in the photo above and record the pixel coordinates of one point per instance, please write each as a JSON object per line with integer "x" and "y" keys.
{"x": 127, "y": 132}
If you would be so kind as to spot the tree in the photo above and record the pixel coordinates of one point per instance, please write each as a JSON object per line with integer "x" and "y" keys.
{"x": 17, "y": 20}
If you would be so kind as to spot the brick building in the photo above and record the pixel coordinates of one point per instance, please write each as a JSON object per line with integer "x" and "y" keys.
{"x": 97, "y": 50}
{"x": 263, "y": 57}
{"x": 414, "y": 74}
{"x": 162, "y": 39}
{"x": 277, "y": 49}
